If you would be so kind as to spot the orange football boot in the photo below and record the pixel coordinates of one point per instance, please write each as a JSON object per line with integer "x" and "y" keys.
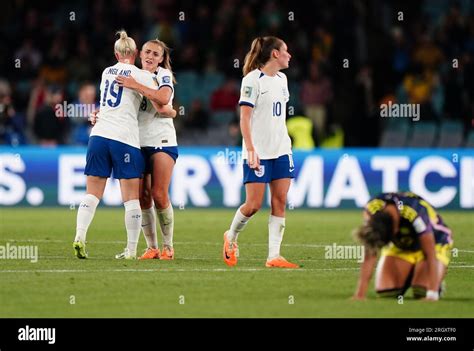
{"x": 167, "y": 253}
{"x": 229, "y": 252}
{"x": 150, "y": 254}
{"x": 280, "y": 262}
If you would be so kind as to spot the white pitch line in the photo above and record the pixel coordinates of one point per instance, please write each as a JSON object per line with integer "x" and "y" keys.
{"x": 175, "y": 270}
{"x": 189, "y": 270}
{"x": 194, "y": 258}
{"x": 216, "y": 243}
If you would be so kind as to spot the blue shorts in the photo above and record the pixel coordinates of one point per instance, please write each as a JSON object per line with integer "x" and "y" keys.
{"x": 107, "y": 155}
{"x": 277, "y": 168}
{"x": 148, "y": 151}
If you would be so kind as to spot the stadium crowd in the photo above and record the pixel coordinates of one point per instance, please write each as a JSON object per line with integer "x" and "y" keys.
{"x": 348, "y": 57}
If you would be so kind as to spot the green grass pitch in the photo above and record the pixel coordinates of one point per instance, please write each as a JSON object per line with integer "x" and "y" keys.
{"x": 197, "y": 283}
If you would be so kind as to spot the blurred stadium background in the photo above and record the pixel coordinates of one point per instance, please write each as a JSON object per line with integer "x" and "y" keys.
{"x": 348, "y": 58}
{"x": 404, "y": 61}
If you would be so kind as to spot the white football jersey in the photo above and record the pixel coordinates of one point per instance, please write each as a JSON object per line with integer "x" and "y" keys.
{"x": 119, "y": 106}
{"x": 268, "y": 97}
{"x": 157, "y": 131}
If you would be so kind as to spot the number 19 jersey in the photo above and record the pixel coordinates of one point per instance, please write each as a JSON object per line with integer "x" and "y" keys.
{"x": 119, "y": 106}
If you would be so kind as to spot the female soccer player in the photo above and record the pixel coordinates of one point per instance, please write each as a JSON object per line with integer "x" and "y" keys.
{"x": 266, "y": 145}
{"x": 159, "y": 148}
{"x": 415, "y": 243}
{"x": 114, "y": 145}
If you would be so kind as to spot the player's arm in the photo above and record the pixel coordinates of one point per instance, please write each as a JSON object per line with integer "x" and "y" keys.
{"x": 165, "y": 111}
{"x": 427, "y": 242}
{"x": 366, "y": 269}
{"x": 161, "y": 96}
{"x": 245, "y": 116}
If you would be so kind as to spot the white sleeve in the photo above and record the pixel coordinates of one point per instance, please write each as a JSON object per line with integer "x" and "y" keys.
{"x": 249, "y": 91}
{"x": 165, "y": 79}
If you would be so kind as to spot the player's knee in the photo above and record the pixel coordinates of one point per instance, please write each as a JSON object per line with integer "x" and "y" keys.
{"x": 161, "y": 199}
{"x": 419, "y": 292}
{"x": 391, "y": 293}
{"x": 145, "y": 203}
{"x": 253, "y": 208}
{"x": 279, "y": 203}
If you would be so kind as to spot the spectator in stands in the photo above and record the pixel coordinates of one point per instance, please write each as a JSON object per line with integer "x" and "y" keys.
{"x": 301, "y": 131}
{"x": 198, "y": 117}
{"x": 11, "y": 123}
{"x": 316, "y": 93}
{"x": 427, "y": 53}
{"x": 53, "y": 48}
{"x": 234, "y": 132}
{"x": 420, "y": 84}
{"x": 81, "y": 127}
{"x": 226, "y": 97}
{"x": 50, "y": 128}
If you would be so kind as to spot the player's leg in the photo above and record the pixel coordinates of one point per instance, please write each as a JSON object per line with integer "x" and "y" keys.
{"x": 163, "y": 164}
{"x": 253, "y": 202}
{"x": 393, "y": 276}
{"x": 148, "y": 219}
{"x": 255, "y": 183}
{"x": 128, "y": 167}
{"x": 282, "y": 171}
{"x": 276, "y": 223}
{"x": 94, "y": 190}
{"x": 254, "y": 193}
{"x": 98, "y": 169}
{"x": 420, "y": 277}
{"x": 133, "y": 215}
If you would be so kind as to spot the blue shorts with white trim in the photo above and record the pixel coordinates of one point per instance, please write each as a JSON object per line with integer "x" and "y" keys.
{"x": 148, "y": 151}
{"x": 277, "y": 168}
{"x": 107, "y": 155}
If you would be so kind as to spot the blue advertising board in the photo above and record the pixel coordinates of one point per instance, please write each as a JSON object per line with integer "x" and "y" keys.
{"x": 212, "y": 177}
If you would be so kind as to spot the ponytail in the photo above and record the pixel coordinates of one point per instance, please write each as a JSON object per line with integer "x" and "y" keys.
{"x": 260, "y": 52}
{"x": 124, "y": 46}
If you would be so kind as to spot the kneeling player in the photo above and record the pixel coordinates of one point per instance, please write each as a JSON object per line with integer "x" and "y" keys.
{"x": 415, "y": 246}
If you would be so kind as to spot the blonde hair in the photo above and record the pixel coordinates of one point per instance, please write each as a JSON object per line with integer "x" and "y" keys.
{"x": 125, "y": 46}
{"x": 166, "y": 63}
{"x": 260, "y": 52}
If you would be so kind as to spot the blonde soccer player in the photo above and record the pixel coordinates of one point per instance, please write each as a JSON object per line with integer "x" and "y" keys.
{"x": 266, "y": 145}
{"x": 114, "y": 146}
{"x": 159, "y": 148}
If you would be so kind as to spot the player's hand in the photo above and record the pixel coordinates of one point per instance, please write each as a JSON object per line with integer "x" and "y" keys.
{"x": 254, "y": 160}
{"x": 126, "y": 81}
{"x": 93, "y": 117}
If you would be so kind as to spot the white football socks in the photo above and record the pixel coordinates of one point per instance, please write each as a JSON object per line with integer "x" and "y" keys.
{"x": 166, "y": 219}
{"x": 85, "y": 214}
{"x": 149, "y": 227}
{"x": 238, "y": 224}
{"x": 276, "y": 229}
{"x": 133, "y": 223}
